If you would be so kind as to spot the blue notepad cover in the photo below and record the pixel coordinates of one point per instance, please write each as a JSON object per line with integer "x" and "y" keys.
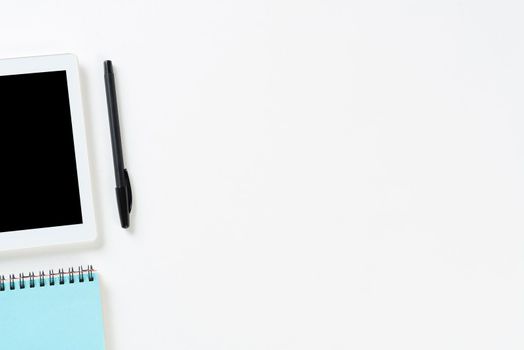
{"x": 60, "y": 317}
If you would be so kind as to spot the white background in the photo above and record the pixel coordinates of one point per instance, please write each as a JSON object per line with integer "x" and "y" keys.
{"x": 307, "y": 174}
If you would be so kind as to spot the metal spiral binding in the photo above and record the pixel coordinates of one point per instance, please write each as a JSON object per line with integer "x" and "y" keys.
{"x": 31, "y": 280}
{"x": 12, "y": 281}
{"x": 50, "y": 278}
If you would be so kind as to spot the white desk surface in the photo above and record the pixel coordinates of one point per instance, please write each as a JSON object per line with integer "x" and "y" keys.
{"x": 307, "y": 174}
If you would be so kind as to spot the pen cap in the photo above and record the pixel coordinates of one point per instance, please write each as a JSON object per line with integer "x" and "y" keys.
{"x": 108, "y": 67}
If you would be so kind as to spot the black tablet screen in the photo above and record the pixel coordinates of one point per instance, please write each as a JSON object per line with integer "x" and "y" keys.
{"x": 38, "y": 175}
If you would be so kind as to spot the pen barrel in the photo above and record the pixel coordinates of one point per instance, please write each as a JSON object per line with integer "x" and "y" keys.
{"x": 114, "y": 124}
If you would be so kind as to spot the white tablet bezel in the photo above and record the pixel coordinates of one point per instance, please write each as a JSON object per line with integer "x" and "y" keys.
{"x": 70, "y": 233}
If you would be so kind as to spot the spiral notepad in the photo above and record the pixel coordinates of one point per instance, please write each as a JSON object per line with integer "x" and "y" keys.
{"x": 51, "y": 311}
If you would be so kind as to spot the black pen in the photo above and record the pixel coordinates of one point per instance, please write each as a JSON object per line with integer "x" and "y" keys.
{"x": 123, "y": 186}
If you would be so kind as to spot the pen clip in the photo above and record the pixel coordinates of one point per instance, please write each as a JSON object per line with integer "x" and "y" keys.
{"x": 129, "y": 193}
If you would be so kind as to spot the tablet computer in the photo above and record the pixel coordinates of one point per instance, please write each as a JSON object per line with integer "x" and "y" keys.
{"x": 45, "y": 187}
